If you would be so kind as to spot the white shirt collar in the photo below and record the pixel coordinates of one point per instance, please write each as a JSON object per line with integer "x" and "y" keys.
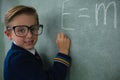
{"x": 32, "y": 51}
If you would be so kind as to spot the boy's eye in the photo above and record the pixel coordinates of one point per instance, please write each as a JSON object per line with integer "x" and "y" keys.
{"x": 34, "y": 28}
{"x": 21, "y": 30}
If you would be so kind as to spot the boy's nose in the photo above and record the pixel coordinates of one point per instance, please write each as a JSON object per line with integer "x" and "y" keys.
{"x": 29, "y": 34}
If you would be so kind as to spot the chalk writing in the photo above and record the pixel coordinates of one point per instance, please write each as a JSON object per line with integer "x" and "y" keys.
{"x": 97, "y": 10}
{"x": 83, "y": 9}
{"x": 105, "y": 12}
{"x": 64, "y": 14}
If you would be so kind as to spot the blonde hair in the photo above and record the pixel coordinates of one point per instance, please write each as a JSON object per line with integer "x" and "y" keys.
{"x": 18, "y": 10}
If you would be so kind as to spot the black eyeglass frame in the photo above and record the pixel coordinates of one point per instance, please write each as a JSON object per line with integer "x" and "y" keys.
{"x": 28, "y": 27}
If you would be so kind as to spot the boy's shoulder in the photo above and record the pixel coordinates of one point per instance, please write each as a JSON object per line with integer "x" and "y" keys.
{"x": 16, "y": 50}
{"x": 17, "y": 53}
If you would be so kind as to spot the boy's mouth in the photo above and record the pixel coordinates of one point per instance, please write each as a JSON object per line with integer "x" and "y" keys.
{"x": 29, "y": 42}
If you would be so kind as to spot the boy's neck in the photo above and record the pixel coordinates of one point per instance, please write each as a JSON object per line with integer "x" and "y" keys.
{"x": 30, "y": 50}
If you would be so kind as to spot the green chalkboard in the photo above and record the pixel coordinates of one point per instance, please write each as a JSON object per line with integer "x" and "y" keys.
{"x": 2, "y": 53}
{"x": 94, "y": 29}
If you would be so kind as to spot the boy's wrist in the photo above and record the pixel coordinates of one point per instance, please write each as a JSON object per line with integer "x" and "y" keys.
{"x": 64, "y": 59}
{"x": 65, "y": 52}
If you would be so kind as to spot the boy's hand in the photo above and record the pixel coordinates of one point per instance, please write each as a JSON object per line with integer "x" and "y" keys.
{"x": 63, "y": 43}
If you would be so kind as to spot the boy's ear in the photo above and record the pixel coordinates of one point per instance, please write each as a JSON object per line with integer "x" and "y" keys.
{"x": 8, "y": 34}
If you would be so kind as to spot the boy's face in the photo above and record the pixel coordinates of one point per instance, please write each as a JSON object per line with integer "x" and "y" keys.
{"x": 28, "y": 41}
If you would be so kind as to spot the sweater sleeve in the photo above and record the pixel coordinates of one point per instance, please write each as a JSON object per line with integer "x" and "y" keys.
{"x": 63, "y": 59}
{"x": 60, "y": 67}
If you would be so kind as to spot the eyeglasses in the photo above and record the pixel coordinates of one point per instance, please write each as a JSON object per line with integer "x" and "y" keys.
{"x": 22, "y": 30}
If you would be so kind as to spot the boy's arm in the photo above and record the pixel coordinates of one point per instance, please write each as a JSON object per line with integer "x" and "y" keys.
{"x": 59, "y": 68}
{"x": 62, "y": 60}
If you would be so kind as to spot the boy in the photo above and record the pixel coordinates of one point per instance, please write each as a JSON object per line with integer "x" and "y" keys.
{"x": 22, "y": 61}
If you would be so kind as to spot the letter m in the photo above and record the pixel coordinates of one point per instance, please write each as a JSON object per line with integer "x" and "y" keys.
{"x": 105, "y": 12}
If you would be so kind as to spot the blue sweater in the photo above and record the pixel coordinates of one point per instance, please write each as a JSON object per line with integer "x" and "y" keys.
{"x": 20, "y": 64}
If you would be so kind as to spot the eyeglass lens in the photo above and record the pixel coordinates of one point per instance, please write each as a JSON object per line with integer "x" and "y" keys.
{"x": 23, "y": 30}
